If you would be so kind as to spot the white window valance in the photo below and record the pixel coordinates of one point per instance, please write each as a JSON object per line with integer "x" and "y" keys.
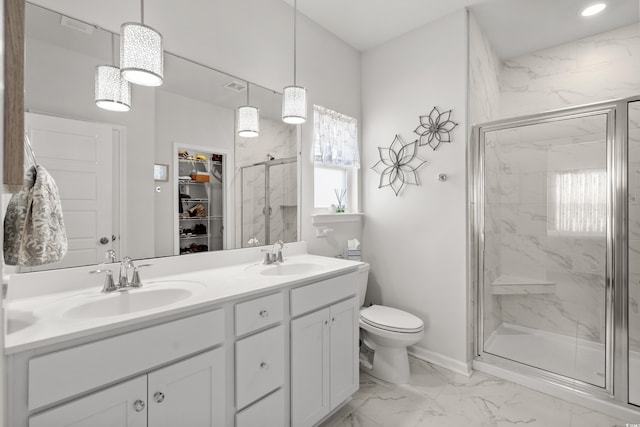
{"x": 335, "y": 138}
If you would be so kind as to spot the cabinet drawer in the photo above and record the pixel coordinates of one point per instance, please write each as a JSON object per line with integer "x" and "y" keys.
{"x": 112, "y": 406}
{"x": 258, "y": 313}
{"x": 268, "y": 412}
{"x": 76, "y": 370}
{"x": 307, "y": 298}
{"x": 259, "y": 365}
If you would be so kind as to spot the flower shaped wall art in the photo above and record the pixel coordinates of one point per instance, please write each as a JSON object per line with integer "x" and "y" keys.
{"x": 398, "y": 165}
{"x": 435, "y": 128}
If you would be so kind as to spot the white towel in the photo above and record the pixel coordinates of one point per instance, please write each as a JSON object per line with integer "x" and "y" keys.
{"x": 34, "y": 232}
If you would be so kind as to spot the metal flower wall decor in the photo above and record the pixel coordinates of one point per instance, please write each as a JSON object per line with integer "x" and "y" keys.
{"x": 398, "y": 165}
{"x": 435, "y": 128}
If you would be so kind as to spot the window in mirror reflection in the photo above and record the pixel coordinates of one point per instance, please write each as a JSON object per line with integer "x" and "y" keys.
{"x": 336, "y": 160}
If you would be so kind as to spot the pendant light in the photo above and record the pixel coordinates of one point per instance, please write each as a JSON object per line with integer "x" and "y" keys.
{"x": 141, "y": 54}
{"x": 294, "y": 98}
{"x": 248, "y": 119}
{"x": 113, "y": 93}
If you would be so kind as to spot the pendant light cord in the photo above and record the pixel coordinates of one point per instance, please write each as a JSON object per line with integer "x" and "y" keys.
{"x": 247, "y": 94}
{"x": 295, "y": 15}
{"x": 142, "y": 11}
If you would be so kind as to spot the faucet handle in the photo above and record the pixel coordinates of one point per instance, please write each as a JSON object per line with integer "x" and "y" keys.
{"x": 108, "y": 286}
{"x": 135, "y": 279}
{"x": 268, "y": 256}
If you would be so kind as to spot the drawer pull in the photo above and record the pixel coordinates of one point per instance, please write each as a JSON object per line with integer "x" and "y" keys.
{"x": 264, "y": 313}
{"x": 264, "y": 365}
{"x": 158, "y": 396}
{"x": 333, "y": 319}
{"x": 139, "y": 405}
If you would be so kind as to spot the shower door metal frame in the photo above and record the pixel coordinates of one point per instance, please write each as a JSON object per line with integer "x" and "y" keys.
{"x": 616, "y": 272}
{"x": 267, "y": 196}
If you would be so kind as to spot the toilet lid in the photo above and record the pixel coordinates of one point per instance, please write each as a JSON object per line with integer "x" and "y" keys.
{"x": 391, "y": 319}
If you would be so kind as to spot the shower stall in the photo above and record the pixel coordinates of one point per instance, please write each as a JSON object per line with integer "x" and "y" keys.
{"x": 269, "y": 201}
{"x": 555, "y": 247}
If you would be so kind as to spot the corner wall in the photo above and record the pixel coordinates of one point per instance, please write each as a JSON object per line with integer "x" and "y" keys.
{"x": 416, "y": 242}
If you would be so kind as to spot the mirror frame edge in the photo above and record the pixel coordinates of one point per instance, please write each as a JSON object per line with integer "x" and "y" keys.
{"x": 13, "y": 147}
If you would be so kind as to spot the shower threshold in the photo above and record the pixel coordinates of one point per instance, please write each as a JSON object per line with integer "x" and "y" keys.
{"x": 561, "y": 354}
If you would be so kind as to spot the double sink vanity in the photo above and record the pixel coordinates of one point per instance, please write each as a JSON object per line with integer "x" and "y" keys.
{"x": 212, "y": 339}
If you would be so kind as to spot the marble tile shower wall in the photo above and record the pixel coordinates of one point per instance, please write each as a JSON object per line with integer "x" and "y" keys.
{"x": 520, "y": 169}
{"x": 634, "y": 226}
{"x": 596, "y": 68}
{"x": 484, "y": 96}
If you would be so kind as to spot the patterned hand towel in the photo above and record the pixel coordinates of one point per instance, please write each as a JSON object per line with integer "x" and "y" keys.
{"x": 34, "y": 232}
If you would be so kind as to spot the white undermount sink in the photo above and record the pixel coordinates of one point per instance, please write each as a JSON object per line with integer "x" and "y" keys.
{"x": 131, "y": 301}
{"x": 285, "y": 269}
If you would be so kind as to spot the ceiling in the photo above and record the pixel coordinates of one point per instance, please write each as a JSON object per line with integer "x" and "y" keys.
{"x": 514, "y": 27}
{"x": 364, "y": 24}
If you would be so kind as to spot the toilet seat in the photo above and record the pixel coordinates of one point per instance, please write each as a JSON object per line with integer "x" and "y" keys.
{"x": 391, "y": 319}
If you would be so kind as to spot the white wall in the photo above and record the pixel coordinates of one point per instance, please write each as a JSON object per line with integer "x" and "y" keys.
{"x": 416, "y": 242}
{"x": 252, "y": 39}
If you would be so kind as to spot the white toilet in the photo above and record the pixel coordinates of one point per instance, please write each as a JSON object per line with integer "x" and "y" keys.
{"x": 388, "y": 331}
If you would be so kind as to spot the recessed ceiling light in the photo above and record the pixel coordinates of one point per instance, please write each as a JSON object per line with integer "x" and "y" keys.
{"x": 593, "y": 9}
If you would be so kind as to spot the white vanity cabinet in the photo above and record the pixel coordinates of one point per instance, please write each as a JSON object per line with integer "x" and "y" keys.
{"x": 185, "y": 393}
{"x": 166, "y": 374}
{"x": 324, "y": 349}
{"x": 285, "y": 356}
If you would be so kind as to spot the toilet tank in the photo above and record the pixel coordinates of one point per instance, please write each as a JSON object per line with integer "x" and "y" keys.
{"x": 363, "y": 277}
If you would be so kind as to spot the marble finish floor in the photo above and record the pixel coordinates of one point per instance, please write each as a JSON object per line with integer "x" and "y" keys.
{"x": 437, "y": 397}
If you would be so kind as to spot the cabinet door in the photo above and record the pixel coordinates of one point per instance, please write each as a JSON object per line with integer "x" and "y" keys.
{"x": 310, "y": 368}
{"x": 121, "y": 405}
{"x": 189, "y": 393}
{"x": 344, "y": 365}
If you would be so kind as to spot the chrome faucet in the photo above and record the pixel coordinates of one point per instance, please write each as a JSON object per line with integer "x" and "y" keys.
{"x": 125, "y": 265}
{"x": 277, "y": 255}
{"x": 274, "y": 254}
{"x": 110, "y": 255}
{"x": 123, "y": 281}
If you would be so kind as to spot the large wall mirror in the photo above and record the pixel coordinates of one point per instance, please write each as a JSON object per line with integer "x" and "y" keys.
{"x": 168, "y": 177}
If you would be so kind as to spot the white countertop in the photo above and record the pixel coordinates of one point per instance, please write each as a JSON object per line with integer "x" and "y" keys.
{"x": 37, "y": 321}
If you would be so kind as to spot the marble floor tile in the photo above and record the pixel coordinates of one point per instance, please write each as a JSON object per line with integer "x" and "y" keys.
{"x": 437, "y": 397}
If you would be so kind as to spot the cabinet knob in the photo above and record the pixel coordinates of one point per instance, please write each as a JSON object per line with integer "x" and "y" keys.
{"x": 333, "y": 319}
{"x": 264, "y": 313}
{"x": 326, "y": 322}
{"x": 158, "y": 396}
{"x": 264, "y": 365}
{"x": 139, "y": 405}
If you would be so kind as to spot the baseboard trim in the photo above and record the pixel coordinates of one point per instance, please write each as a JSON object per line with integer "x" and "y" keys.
{"x": 447, "y": 362}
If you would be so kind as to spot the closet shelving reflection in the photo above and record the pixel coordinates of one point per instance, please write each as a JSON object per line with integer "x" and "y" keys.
{"x": 200, "y": 204}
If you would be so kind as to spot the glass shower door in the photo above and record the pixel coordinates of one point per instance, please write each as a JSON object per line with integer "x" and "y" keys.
{"x": 544, "y": 256}
{"x": 283, "y": 202}
{"x": 253, "y": 204}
